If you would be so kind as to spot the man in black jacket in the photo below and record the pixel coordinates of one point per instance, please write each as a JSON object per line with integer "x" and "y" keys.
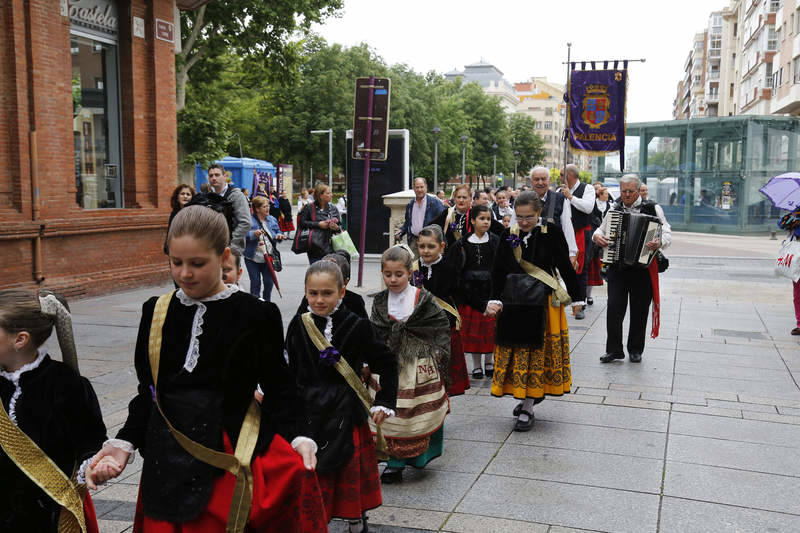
{"x": 630, "y": 281}
{"x": 241, "y": 209}
{"x": 421, "y": 211}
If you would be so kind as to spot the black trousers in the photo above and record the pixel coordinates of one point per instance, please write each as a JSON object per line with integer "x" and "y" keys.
{"x": 633, "y": 284}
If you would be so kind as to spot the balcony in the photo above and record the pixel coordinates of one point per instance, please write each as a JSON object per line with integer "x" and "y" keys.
{"x": 714, "y": 53}
{"x": 712, "y": 98}
{"x": 713, "y": 75}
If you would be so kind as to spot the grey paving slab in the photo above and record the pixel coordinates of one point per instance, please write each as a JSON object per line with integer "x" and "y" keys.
{"x": 772, "y": 417}
{"x": 754, "y": 431}
{"x": 754, "y": 457}
{"x": 767, "y": 492}
{"x": 784, "y": 388}
{"x": 718, "y": 347}
{"x": 408, "y": 519}
{"x": 468, "y": 523}
{"x": 622, "y": 372}
{"x": 478, "y": 428}
{"x": 613, "y": 393}
{"x": 708, "y": 411}
{"x": 672, "y": 398}
{"x": 602, "y": 415}
{"x": 730, "y": 371}
{"x": 770, "y": 361}
{"x": 465, "y": 456}
{"x": 578, "y": 467}
{"x": 434, "y": 490}
{"x": 477, "y": 405}
{"x": 114, "y": 526}
{"x": 757, "y": 407}
{"x": 562, "y": 504}
{"x": 688, "y": 516}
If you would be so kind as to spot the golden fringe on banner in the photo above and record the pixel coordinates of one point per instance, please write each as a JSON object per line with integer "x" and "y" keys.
{"x": 569, "y": 106}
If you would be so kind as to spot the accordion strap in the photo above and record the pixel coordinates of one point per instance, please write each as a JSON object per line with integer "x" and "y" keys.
{"x": 237, "y": 464}
{"x": 540, "y": 274}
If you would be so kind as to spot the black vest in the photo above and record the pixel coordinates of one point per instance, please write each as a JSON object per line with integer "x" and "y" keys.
{"x": 558, "y": 208}
{"x": 579, "y": 218}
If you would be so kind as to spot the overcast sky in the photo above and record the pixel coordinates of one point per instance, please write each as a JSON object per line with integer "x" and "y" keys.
{"x": 528, "y": 38}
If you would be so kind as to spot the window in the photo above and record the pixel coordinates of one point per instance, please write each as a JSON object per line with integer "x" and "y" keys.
{"x": 96, "y": 123}
{"x": 548, "y": 111}
{"x": 537, "y": 125}
{"x": 797, "y": 21}
{"x": 735, "y": 28}
{"x": 774, "y": 5}
{"x": 731, "y": 93}
{"x": 772, "y": 38}
{"x": 548, "y": 125}
{"x": 796, "y": 70}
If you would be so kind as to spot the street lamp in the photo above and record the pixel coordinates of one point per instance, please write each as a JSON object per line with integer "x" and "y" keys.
{"x": 436, "y": 131}
{"x": 494, "y": 162}
{"x": 464, "y": 139}
{"x": 240, "y": 143}
{"x": 516, "y": 160}
{"x": 330, "y": 156}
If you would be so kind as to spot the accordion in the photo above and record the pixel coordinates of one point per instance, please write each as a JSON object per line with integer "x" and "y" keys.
{"x": 628, "y": 234}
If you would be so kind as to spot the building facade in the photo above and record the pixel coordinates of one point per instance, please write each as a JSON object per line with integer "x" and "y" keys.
{"x": 88, "y": 95}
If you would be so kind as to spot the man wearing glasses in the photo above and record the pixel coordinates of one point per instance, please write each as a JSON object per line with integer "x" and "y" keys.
{"x": 630, "y": 282}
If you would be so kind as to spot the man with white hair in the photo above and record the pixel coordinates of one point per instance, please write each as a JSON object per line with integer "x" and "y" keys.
{"x": 581, "y": 199}
{"x": 638, "y": 284}
{"x": 562, "y": 213}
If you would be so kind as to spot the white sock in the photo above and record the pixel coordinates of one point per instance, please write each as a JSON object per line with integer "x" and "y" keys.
{"x": 356, "y": 526}
{"x": 489, "y": 358}
{"x": 527, "y": 405}
{"x": 589, "y": 291}
{"x": 477, "y": 361}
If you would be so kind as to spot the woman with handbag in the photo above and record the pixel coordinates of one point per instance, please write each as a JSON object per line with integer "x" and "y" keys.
{"x": 260, "y": 243}
{"x": 321, "y": 219}
{"x": 531, "y": 355}
{"x": 791, "y": 224}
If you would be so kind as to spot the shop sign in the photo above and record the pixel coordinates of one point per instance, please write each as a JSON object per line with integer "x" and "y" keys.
{"x": 98, "y": 15}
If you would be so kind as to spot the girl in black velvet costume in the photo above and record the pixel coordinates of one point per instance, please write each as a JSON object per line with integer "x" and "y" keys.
{"x": 52, "y": 405}
{"x": 216, "y": 344}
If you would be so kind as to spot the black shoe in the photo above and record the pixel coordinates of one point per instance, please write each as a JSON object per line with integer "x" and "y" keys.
{"x": 580, "y": 315}
{"x": 489, "y": 370}
{"x": 607, "y": 358}
{"x": 477, "y": 373}
{"x": 521, "y": 426}
{"x": 635, "y": 357}
{"x": 517, "y": 410}
{"x": 392, "y": 475}
{"x": 590, "y": 300}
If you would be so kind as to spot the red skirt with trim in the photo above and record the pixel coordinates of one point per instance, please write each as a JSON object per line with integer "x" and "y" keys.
{"x": 459, "y": 377}
{"x": 286, "y": 224}
{"x": 593, "y": 275}
{"x": 89, "y": 515}
{"x": 355, "y": 487}
{"x": 286, "y": 498}
{"x": 477, "y": 330}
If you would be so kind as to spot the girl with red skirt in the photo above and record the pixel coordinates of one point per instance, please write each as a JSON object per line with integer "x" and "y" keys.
{"x": 438, "y": 273}
{"x": 217, "y": 344}
{"x": 347, "y": 465}
{"x": 476, "y": 252}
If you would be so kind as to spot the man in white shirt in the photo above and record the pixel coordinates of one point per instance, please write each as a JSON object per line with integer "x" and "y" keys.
{"x": 420, "y": 212}
{"x": 241, "y": 209}
{"x": 624, "y": 282}
{"x": 562, "y": 213}
{"x": 581, "y": 198}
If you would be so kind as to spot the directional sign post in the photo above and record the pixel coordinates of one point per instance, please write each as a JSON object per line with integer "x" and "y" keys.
{"x": 370, "y": 140}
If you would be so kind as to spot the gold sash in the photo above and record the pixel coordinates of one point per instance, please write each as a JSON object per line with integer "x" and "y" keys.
{"x": 349, "y": 376}
{"x": 443, "y": 304}
{"x": 449, "y": 220}
{"x": 237, "y": 464}
{"x": 40, "y": 469}
{"x": 560, "y": 296}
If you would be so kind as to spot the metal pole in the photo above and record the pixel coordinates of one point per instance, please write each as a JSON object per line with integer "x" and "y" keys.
{"x": 566, "y": 115}
{"x": 463, "y": 161}
{"x": 330, "y": 159}
{"x": 435, "y": 166}
{"x": 365, "y": 197}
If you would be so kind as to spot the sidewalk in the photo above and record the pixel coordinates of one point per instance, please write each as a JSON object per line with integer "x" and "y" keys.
{"x": 703, "y": 435}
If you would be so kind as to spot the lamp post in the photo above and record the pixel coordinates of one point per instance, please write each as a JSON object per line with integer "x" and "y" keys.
{"x": 330, "y": 155}
{"x": 464, "y": 139}
{"x": 494, "y": 161}
{"x": 239, "y": 138}
{"x": 436, "y": 131}
{"x": 516, "y": 160}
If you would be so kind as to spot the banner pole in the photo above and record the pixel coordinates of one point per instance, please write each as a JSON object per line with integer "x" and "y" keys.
{"x": 365, "y": 197}
{"x": 566, "y": 117}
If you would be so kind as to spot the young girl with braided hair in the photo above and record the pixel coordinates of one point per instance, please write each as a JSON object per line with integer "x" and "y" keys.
{"x": 50, "y": 422}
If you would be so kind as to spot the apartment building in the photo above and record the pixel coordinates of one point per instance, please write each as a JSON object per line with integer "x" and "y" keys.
{"x": 746, "y": 65}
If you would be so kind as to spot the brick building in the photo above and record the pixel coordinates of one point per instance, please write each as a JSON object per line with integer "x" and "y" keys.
{"x": 87, "y": 93}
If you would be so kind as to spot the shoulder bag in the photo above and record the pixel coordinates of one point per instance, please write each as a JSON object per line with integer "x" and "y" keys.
{"x": 302, "y": 236}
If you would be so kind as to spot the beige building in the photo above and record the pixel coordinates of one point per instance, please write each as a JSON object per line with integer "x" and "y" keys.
{"x": 786, "y": 61}
{"x": 543, "y": 101}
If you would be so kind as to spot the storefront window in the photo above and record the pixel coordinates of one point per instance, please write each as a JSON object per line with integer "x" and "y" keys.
{"x": 95, "y": 112}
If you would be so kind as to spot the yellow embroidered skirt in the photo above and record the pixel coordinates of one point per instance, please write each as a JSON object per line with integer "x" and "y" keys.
{"x": 534, "y": 373}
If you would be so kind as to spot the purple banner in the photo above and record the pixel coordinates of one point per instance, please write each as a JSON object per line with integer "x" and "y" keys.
{"x": 596, "y": 114}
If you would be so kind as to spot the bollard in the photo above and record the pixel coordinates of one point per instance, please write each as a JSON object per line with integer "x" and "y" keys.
{"x": 772, "y": 236}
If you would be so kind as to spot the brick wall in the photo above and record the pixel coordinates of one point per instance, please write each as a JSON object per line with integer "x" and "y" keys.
{"x": 83, "y": 251}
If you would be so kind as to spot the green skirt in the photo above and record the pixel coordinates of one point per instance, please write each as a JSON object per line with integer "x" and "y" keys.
{"x": 434, "y": 450}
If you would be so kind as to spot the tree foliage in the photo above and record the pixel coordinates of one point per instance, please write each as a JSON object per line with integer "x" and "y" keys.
{"x": 238, "y": 100}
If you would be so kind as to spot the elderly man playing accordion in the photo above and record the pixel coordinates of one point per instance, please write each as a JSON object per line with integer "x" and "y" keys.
{"x": 636, "y": 282}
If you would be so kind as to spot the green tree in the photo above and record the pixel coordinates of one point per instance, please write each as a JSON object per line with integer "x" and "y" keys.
{"x": 256, "y": 30}
{"x": 526, "y": 141}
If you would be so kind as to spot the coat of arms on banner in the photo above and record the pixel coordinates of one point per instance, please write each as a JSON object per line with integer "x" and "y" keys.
{"x": 596, "y": 104}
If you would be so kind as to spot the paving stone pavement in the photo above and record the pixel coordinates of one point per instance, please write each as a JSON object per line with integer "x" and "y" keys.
{"x": 703, "y": 435}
